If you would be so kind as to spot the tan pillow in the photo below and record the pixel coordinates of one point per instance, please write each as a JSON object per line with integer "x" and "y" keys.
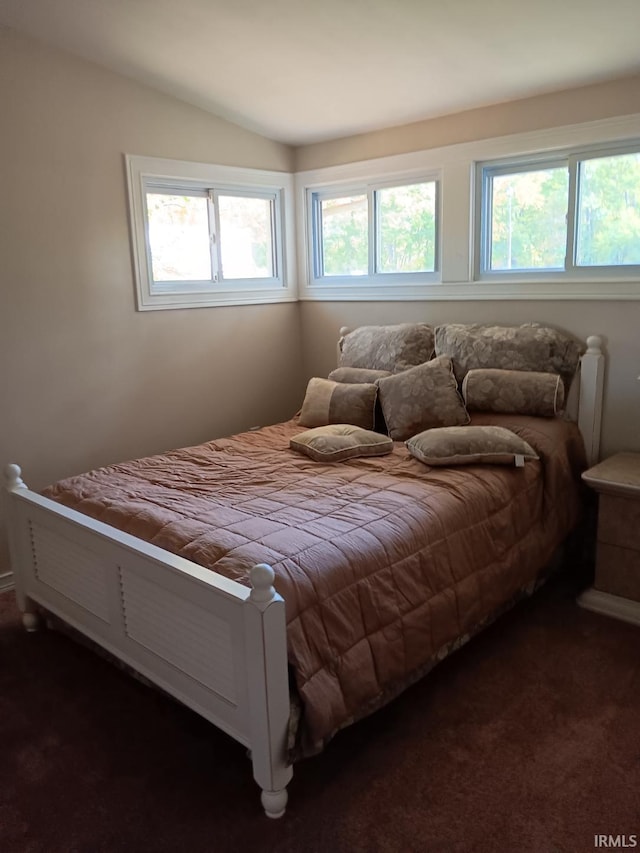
{"x": 337, "y": 442}
{"x": 391, "y": 348}
{"x": 420, "y": 398}
{"x": 328, "y": 402}
{"x": 361, "y": 374}
{"x": 470, "y": 445}
{"x": 357, "y": 375}
{"x": 514, "y": 392}
{"x": 527, "y": 347}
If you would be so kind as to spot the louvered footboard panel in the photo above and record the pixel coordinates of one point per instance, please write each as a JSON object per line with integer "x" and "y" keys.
{"x": 73, "y": 570}
{"x": 181, "y": 626}
{"x": 180, "y": 632}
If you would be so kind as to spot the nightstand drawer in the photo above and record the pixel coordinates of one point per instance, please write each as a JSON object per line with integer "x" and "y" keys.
{"x": 619, "y": 521}
{"x": 618, "y": 571}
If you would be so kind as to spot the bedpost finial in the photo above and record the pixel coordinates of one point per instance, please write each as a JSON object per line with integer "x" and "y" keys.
{"x": 13, "y": 476}
{"x": 344, "y": 331}
{"x": 262, "y": 577}
{"x": 594, "y": 345}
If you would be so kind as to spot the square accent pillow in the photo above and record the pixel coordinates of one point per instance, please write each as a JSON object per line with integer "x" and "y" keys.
{"x": 519, "y": 392}
{"x": 337, "y": 442}
{"x": 328, "y": 402}
{"x": 361, "y": 374}
{"x": 470, "y": 445}
{"x": 393, "y": 348}
{"x": 420, "y": 398}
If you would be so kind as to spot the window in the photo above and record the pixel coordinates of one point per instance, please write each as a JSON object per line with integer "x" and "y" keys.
{"x": 179, "y": 236}
{"x": 570, "y": 215}
{"x": 608, "y": 211}
{"x": 376, "y": 234}
{"x": 547, "y": 214}
{"x": 203, "y": 236}
{"x": 206, "y": 235}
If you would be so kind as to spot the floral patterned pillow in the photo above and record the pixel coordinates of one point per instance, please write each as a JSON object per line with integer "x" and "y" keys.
{"x": 357, "y": 375}
{"x": 420, "y": 398}
{"x": 514, "y": 392}
{"x": 392, "y": 348}
{"x": 527, "y": 347}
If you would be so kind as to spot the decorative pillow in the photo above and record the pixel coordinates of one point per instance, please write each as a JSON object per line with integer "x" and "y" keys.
{"x": 357, "y": 375}
{"x": 470, "y": 445}
{"x": 361, "y": 374}
{"x": 328, "y": 402}
{"x": 527, "y": 347}
{"x": 392, "y": 348}
{"x": 337, "y": 442}
{"x": 421, "y": 397}
{"x": 514, "y": 391}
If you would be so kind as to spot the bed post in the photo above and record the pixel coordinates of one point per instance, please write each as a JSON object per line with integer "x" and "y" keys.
{"x": 268, "y": 684}
{"x": 590, "y": 402}
{"x": 14, "y": 483}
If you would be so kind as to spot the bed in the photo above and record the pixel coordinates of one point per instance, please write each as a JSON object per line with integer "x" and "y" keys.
{"x": 282, "y": 597}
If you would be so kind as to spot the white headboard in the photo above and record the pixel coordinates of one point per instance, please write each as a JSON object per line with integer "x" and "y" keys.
{"x": 591, "y": 386}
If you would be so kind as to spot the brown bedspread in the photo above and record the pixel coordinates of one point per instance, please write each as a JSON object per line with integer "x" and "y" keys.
{"x": 385, "y": 564}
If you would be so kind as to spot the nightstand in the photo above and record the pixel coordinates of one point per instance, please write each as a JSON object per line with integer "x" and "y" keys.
{"x": 616, "y": 588}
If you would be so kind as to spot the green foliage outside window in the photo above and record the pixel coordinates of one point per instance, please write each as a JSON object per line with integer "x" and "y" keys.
{"x": 404, "y": 224}
{"x": 529, "y": 215}
{"x": 609, "y": 211}
{"x": 345, "y": 243}
{"x": 407, "y": 228}
{"x": 529, "y": 220}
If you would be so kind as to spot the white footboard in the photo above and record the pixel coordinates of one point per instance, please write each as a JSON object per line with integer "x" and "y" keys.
{"x": 217, "y": 646}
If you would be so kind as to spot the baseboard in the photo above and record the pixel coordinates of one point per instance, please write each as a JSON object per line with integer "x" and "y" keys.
{"x": 611, "y": 605}
{"x": 6, "y": 581}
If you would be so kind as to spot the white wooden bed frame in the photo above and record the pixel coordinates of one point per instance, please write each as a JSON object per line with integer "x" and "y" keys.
{"x": 215, "y": 645}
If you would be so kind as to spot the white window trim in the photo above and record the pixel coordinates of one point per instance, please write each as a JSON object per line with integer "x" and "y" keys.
{"x": 457, "y": 167}
{"x": 233, "y": 292}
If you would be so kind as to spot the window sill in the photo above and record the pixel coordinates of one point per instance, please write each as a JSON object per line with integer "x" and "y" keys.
{"x": 505, "y": 289}
{"x": 207, "y": 300}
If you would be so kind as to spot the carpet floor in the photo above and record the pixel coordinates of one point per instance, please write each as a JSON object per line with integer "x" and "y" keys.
{"x": 527, "y": 740}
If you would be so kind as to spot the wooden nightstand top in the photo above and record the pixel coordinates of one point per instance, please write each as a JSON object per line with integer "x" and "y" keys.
{"x": 617, "y": 475}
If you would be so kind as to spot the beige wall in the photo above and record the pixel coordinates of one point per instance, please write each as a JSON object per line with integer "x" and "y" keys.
{"x": 85, "y": 379}
{"x": 588, "y": 103}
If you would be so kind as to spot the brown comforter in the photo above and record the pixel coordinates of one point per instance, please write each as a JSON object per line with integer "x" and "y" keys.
{"x": 385, "y": 564}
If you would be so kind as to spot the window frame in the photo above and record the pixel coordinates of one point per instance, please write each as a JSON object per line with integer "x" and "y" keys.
{"x": 372, "y": 280}
{"x": 148, "y": 174}
{"x": 275, "y": 198}
{"x": 456, "y": 164}
{"x": 571, "y": 158}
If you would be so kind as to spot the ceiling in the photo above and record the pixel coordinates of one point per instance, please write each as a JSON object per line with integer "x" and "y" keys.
{"x": 299, "y": 71}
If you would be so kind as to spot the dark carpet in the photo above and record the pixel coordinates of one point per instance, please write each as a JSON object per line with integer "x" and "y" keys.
{"x": 527, "y": 739}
